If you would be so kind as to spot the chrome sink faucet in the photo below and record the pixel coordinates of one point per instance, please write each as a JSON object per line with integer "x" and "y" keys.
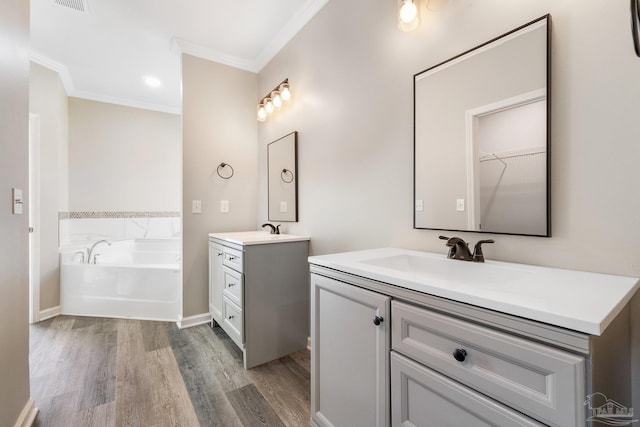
{"x": 459, "y": 249}
{"x": 90, "y": 251}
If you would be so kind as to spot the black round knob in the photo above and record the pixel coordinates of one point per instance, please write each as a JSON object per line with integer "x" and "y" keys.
{"x": 460, "y": 354}
{"x": 377, "y": 320}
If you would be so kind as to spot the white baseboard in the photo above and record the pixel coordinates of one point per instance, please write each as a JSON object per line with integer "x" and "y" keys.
{"x": 28, "y": 414}
{"x": 48, "y": 313}
{"x": 198, "y": 319}
{"x": 111, "y": 316}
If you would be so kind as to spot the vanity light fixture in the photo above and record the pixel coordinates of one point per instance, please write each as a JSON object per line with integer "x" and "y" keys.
{"x": 408, "y": 15}
{"x": 409, "y": 11}
{"x": 273, "y": 100}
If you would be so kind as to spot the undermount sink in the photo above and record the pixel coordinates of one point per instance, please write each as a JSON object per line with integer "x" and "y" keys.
{"x": 449, "y": 270}
{"x": 577, "y": 300}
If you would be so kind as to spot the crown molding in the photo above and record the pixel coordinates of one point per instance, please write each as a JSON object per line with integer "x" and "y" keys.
{"x": 179, "y": 45}
{"x": 59, "y": 68}
{"x": 288, "y": 32}
{"x": 71, "y": 91}
{"x": 284, "y": 36}
{"x": 127, "y": 102}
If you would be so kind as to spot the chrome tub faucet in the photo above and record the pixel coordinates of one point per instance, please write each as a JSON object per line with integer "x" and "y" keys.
{"x": 90, "y": 251}
{"x": 81, "y": 253}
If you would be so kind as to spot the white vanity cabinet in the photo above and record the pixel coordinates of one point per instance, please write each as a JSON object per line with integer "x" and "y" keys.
{"x": 435, "y": 361}
{"x": 350, "y": 357}
{"x": 259, "y": 292}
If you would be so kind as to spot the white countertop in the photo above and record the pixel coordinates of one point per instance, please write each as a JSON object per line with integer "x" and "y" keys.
{"x": 581, "y": 301}
{"x": 256, "y": 237}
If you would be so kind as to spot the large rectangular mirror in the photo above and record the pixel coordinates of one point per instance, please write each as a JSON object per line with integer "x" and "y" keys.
{"x": 282, "y": 170}
{"x": 481, "y": 137}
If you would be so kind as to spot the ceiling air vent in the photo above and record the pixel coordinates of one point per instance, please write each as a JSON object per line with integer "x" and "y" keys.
{"x": 79, "y": 5}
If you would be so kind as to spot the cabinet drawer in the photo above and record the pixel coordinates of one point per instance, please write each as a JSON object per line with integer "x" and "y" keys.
{"x": 233, "y": 285}
{"x": 422, "y": 397}
{"x": 232, "y": 322}
{"x": 540, "y": 381}
{"x": 232, "y": 258}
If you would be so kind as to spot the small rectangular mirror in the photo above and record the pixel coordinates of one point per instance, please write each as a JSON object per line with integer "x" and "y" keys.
{"x": 481, "y": 137}
{"x": 282, "y": 170}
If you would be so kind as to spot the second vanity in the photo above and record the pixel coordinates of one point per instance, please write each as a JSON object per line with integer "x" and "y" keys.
{"x": 409, "y": 338}
{"x": 258, "y": 292}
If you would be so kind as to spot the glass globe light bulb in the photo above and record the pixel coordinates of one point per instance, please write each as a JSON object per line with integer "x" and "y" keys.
{"x": 408, "y": 11}
{"x": 276, "y": 99}
{"x": 284, "y": 92}
{"x": 262, "y": 113}
{"x": 268, "y": 105}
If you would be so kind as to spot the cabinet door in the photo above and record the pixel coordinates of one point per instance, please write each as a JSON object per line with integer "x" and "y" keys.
{"x": 422, "y": 397}
{"x": 216, "y": 281}
{"x": 349, "y": 355}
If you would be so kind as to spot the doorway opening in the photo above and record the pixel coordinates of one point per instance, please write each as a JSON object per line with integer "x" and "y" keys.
{"x": 506, "y": 165}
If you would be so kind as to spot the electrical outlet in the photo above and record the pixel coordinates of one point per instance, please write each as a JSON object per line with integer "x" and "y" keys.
{"x": 419, "y": 206}
{"x": 17, "y": 201}
{"x": 460, "y": 205}
{"x": 283, "y": 207}
{"x": 196, "y": 206}
{"x": 224, "y": 206}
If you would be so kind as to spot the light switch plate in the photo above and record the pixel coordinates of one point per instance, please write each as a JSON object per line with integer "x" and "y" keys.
{"x": 283, "y": 207}
{"x": 224, "y": 206}
{"x": 419, "y": 206}
{"x": 196, "y": 206}
{"x": 17, "y": 201}
{"x": 460, "y": 205}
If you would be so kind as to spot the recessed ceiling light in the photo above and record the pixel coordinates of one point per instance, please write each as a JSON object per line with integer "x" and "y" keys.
{"x": 152, "y": 81}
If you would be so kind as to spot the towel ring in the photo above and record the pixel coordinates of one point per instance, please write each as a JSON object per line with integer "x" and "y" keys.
{"x": 222, "y": 166}
{"x": 284, "y": 174}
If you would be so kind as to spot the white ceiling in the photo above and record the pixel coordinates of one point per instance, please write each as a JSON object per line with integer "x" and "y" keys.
{"x": 104, "y": 53}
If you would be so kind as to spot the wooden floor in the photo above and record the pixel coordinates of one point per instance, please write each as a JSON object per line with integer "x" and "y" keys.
{"x": 114, "y": 372}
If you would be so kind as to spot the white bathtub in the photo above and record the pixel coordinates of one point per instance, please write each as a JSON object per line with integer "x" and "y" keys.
{"x": 138, "y": 279}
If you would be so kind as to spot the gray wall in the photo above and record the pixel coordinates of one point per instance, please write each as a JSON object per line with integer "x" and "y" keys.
{"x": 123, "y": 158}
{"x": 351, "y": 73}
{"x": 48, "y": 99}
{"x": 219, "y": 125}
{"x": 14, "y": 276}
{"x": 352, "y": 83}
